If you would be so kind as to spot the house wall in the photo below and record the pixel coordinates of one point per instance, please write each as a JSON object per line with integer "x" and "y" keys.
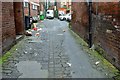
{"x": 107, "y": 31}
{"x": 32, "y": 11}
{"x": 8, "y": 25}
{"x": 18, "y": 17}
{"x": 80, "y": 19}
{"x": 0, "y": 28}
{"x": 105, "y": 28}
{"x": 12, "y": 23}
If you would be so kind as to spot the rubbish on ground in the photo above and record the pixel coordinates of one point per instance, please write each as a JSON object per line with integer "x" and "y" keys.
{"x": 117, "y": 27}
{"x": 25, "y": 52}
{"x": 69, "y": 64}
{"x": 63, "y": 30}
{"x": 93, "y": 47}
{"x": 35, "y": 29}
{"x": 16, "y": 49}
{"x": 109, "y": 31}
{"x": 106, "y": 74}
{"x": 39, "y": 29}
{"x": 32, "y": 30}
{"x": 97, "y": 62}
{"x": 28, "y": 33}
{"x": 37, "y": 34}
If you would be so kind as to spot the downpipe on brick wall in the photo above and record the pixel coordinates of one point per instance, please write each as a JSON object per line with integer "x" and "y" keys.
{"x": 90, "y": 23}
{"x": 29, "y": 14}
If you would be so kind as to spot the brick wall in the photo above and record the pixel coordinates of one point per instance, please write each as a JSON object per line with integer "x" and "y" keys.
{"x": 80, "y": 19}
{"x": 32, "y": 11}
{"x": 107, "y": 24}
{"x": 19, "y": 18}
{"x": 105, "y": 28}
{"x": 12, "y": 23}
{"x": 8, "y": 25}
{"x": 0, "y": 28}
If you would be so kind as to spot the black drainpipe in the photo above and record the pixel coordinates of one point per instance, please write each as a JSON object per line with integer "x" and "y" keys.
{"x": 90, "y": 23}
{"x": 29, "y": 15}
{"x": 23, "y": 16}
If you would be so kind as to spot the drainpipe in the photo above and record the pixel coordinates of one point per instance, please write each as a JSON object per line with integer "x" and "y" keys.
{"x": 23, "y": 16}
{"x": 55, "y": 8}
{"x": 29, "y": 9}
{"x": 45, "y": 7}
{"x": 90, "y": 23}
{"x": 29, "y": 15}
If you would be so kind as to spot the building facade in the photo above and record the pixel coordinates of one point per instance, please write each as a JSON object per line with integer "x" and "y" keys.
{"x": 31, "y": 7}
{"x": 105, "y": 27}
{"x": 12, "y": 23}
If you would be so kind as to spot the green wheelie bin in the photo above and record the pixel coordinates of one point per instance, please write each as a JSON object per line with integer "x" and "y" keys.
{"x": 41, "y": 17}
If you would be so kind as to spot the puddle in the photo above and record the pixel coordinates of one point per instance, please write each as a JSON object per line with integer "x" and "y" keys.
{"x": 31, "y": 69}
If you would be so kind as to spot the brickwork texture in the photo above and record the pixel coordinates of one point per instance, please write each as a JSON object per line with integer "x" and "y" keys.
{"x": 12, "y": 23}
{"x": 105, "y": 27}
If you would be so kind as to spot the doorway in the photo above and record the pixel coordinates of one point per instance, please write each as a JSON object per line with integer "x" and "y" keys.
{"x": 18, "y": 18}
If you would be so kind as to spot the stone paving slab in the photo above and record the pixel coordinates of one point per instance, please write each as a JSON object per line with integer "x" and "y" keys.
{"x": 45, "y": 49}
{"x": 46, "y": 54}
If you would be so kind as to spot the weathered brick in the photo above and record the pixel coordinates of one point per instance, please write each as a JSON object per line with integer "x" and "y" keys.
{"x": 102, "y": 22}
{"x": 12, "y": 23}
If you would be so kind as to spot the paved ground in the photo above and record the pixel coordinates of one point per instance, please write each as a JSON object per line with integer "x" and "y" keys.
{"x": 52, "y": 54}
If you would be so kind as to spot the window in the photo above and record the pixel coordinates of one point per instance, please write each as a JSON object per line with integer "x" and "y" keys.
{"x": 25, "y": 4}
{"x": 34, "y": 7}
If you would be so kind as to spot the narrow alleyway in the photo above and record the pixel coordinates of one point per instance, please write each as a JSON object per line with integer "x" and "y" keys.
{"x": 51, "y": 53}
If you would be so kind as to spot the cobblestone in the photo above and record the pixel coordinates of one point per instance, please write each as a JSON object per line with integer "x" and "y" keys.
{"x": 47, "y": 49}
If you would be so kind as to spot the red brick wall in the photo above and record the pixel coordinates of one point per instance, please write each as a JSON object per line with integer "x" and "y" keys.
{"x": 105, "y": 33}
{"x": 80, "y": 19}
{"x": 33, "y": 12}
{"x": 8, "y": 25}
{"x": 12, "y": 23}
{"x": 107, "y": 38}
{"x": 19, "y": 19}
{"x": 0, "y": 28}
{"x": 105, "y": 25}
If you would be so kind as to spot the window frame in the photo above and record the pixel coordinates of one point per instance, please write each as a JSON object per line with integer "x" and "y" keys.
{"x": 26, "y": 4}
{"x": 34, "y": 7}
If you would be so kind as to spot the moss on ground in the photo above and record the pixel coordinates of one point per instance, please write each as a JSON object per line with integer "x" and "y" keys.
{"x": 5, "y": 57}
{"x": 105, "y": 64}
